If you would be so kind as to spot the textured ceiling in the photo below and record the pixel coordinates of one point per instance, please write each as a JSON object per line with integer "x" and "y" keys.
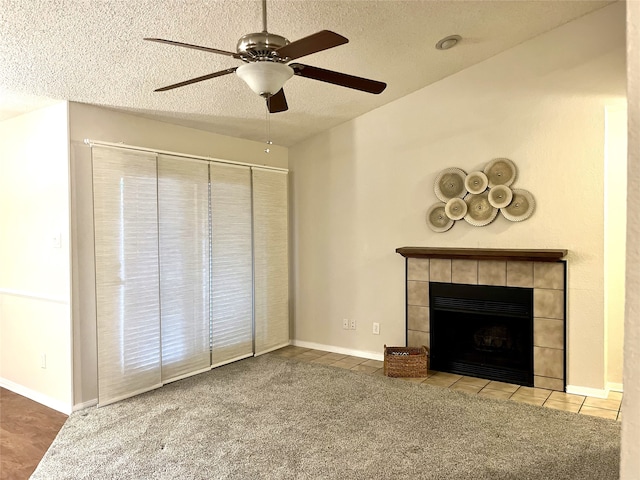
{"x": 93, "y": 52}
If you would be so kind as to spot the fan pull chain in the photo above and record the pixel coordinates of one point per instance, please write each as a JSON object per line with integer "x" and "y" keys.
{"x": 268, "y": 121}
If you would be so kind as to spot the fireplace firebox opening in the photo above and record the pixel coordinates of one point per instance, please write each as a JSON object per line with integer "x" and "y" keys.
{"x": 482, "y": 331}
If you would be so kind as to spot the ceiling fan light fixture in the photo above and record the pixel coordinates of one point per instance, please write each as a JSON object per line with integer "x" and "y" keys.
{"x": 265, "y": 78}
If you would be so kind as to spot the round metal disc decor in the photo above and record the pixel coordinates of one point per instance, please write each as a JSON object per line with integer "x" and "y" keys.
{"x": 456, "y": 209}
{"x": 476, "y": 182}
{"x": 500, "y": 196}
{"x": 500, "y": 171}
{"x": 521, "y": 207}
{"x": 450, "y": 184}
{"x": 437, "y": 218}
{"x": 479, "y": 210}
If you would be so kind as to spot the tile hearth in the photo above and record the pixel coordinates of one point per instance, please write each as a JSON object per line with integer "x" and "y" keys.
{"x": 599, "y": 407}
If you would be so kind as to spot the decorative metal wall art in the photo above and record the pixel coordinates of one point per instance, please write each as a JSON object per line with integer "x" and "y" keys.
{"x": 477, "y": 197}
{"x": 450, "y": 184}
{"x": 521, "y": 207}
{"x": 456, "y": 209}
{"x": 479, "y": 211}
{"x": 438, "y": 219}
{"x": 500, "y": 171}
{"x": 476, "y": 182}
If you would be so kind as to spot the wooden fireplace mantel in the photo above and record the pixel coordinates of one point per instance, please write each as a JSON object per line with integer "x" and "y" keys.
{"x": 483, "y": 254}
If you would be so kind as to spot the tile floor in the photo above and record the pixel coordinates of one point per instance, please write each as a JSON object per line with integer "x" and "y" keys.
{"x": 598, "y": 407}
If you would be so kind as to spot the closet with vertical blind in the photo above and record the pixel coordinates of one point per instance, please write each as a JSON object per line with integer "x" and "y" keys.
{"x": 191, "y": 259}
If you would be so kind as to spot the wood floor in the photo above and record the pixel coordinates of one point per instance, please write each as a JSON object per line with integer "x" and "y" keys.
{"x": 26, "y": 432}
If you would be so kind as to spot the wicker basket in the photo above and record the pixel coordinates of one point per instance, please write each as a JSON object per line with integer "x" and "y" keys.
{"x": 405, "y": 361}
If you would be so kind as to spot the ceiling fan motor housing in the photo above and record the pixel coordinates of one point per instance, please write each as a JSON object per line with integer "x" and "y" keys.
{"x": 261, "y": 46}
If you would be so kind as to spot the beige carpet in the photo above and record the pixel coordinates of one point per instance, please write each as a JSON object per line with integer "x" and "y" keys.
{"x": 273, "y": 418}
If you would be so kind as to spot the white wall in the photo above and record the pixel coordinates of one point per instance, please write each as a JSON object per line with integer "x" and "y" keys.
{"x": 630, "y": 447}
{"x": 35, "y": 284}
{"x": 110, "y": 126}
{"x": 615, "y": 198}
{"x": 362, "y": 189}
{"x": 107, "y": 125}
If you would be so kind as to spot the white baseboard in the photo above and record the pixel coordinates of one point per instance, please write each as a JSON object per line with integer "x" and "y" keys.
{"x": 87, "y": 404}
{"x": 343, "y": 351}
{"x": 614, "y": 387}
{"x": 41, "y": 398}
{"x": 587, "y": 391}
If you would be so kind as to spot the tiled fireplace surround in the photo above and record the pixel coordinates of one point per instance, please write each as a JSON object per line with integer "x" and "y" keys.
{"x": 541, "y": 270}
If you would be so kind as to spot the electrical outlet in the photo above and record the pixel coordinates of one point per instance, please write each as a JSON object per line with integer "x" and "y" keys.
{"x": 345, "y": 323}
{"x": 376, "y": 328}
{"x": 352, "y": 324}
{"x": 43, "y": 360}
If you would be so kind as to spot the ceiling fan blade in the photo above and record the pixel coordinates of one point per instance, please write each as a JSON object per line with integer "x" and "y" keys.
{"x": 317, "y": 42}
{"x": 337, "y": 78}
{"x": 196, "y": 47}
{"x": 197, "y": 79}
{"x": 277, "y": 103}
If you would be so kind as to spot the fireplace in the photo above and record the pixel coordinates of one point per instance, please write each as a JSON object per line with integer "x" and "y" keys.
{"x": 542, "y": 273}
{"x": 482, "y": 331}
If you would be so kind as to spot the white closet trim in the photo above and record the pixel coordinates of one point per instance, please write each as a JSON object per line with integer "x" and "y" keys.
{"x": 186, "y": 156}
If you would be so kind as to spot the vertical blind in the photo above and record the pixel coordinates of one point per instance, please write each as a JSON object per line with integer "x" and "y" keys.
{"x": 231, "y": 308}
{"x": 191, "y": 265}
{"x": 271, "y": 266}
{"x": 127, "y": 277}
{"x": 183, "y": 225}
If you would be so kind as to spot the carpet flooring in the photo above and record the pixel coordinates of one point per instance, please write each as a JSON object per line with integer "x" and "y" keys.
{"x": 276, "y": 418}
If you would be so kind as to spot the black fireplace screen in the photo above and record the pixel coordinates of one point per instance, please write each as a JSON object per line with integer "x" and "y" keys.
{"x": 482, "y": 331}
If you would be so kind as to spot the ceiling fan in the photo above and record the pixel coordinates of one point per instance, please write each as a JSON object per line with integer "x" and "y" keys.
{"x": 267, "y": 67}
